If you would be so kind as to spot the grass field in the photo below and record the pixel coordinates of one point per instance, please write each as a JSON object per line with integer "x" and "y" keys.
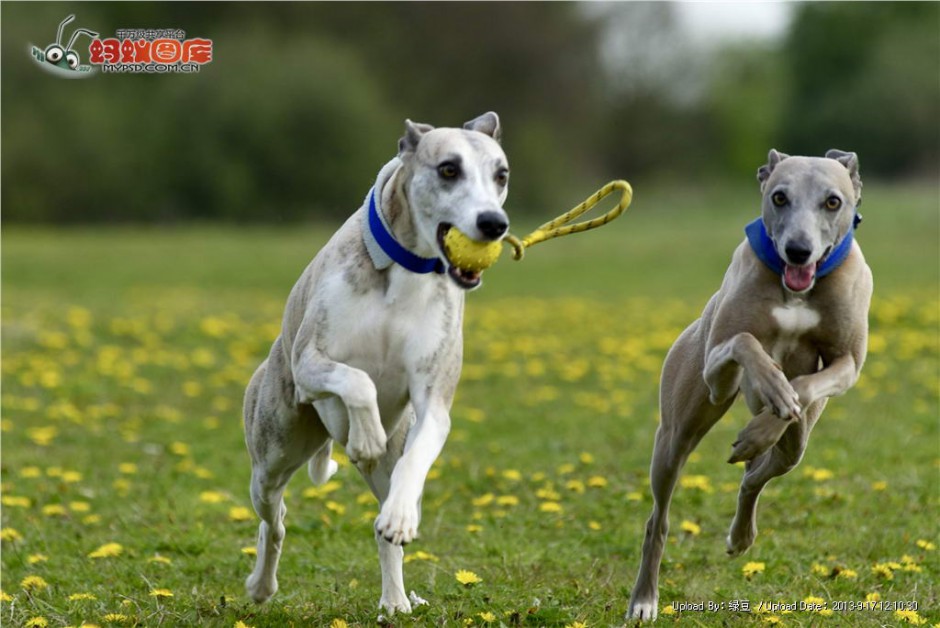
{"x": 124, "y": 472}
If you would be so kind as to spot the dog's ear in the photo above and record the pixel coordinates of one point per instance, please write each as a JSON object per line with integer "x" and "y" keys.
{"x": 773, "y": 158}
{"x": 488, "y": 123}
{"x": 413, "y": 132}
{"x": 850, "y": 161}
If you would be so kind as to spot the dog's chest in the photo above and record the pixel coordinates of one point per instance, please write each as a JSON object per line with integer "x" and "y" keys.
{"x": 794, "y": 322}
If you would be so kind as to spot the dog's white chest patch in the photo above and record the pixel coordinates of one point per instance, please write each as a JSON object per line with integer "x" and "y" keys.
{"x": 795, "y": 319}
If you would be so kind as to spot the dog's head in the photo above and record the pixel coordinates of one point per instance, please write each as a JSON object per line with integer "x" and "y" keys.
{"x": 808, "y": 207}
{"x": 457, "y": 178}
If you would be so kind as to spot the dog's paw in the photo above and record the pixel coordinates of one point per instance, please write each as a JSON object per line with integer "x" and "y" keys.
{"x": 260, "y": 588}
{"x": 760, "y": 434}
{"x": 776, "y": 392}
{"x": 740, "y": 537}
{"x": 397, "y": 523}
{"x": 643, "y": 609}
{"x": 366, "y": 445}
{"x": 392, "y": 604}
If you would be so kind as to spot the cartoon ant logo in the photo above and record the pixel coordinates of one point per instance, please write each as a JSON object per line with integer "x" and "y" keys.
{"x": 64, "y": 62}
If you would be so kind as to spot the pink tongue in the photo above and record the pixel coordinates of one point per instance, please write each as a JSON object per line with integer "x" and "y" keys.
{"x": 799, "y": 278}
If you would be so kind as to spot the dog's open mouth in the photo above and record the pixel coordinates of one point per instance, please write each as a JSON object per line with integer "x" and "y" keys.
{"x": 802, "y": 278}
{"x": 466, "y": 279}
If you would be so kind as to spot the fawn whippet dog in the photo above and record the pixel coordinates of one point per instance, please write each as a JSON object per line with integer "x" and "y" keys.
{"x": 781, "y": 329}
{"x": 371, "y": 344}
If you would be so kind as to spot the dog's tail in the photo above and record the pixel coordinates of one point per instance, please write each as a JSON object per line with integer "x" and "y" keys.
{"x": 321, "y": 467}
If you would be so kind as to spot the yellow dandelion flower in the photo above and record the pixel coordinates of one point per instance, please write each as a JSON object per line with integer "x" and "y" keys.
{"x": 597, "y": 481}
{"x": 821, "y": 570}
{"x": 474, "y": 528}
{"x": 127, "y": 468}
{"x": 849, "y": 574}
{"x": 33, "y": 583}
{"x": 635, "y": 496}
{"x": 873, "y": 597}
{"x": 10, "y": 535}
{"x": 54, "y": 510}
{"x": 772, "y": 619}
{"x": 883, "y": 570}
{"x": 79, "y": 597}
{"x": 32, "y": 559}
{"x": 576, "y": 486}
{"x": 5, "y": 597}
{"x": 548, "y": 493}
{"x": 816, "y": 604}
{"x": 115, "y": 618}
{"x": 161, "y": 593}
{"x": 668, "y": 609}
{"x": 108, "y": 550}
{"x": 180, "y": 449}
{"x": 316, "y": 492}
{"x": 512, "y": 474}
{"x": 879, "y": 485}
{"x": 550, "y": 507}
{"x": 752, "y": 568}
{"x": 586, "y": 457}
{"x": 71, "y": 477}
{"x": 250, "y": 551}
{"x": 211, "y": 497}
{"x": 339, "y": 623}
{"x": 692, "y": 528}
{"x": 36, "y": 622}
{"x": 239, "y": 513}
{"x": 336, "y": 507}
{"x": 699, "y": 482}
{"x": 577, "y": 624}
{"x": 79, "y": 506}
{"x": 910, "y": 617}
{"x": 483, "y": 500}
{"x": 421, "y": 555}
{"x": 14, "y": 501}
{"x": 467, "y": 577}
{"x": 507, "y": 500}
{"x": 91, "y": 519}
{"x": 160, "y": 559}
{"x": 487, "y": 617}
{"x": 926, "y": 545}
{"x": 30, "y": 472}
{"x": 565, "y": 469}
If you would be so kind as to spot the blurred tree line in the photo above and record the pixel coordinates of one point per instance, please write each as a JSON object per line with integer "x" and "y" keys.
{"x": 303, "y": 103}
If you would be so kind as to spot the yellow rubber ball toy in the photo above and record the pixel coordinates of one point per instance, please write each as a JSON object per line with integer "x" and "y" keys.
{"x": 470, "y": 254}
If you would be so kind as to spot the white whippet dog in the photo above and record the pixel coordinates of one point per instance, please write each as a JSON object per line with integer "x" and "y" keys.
{"x": 781, "y": 329}
{"x": 371, "y": 344}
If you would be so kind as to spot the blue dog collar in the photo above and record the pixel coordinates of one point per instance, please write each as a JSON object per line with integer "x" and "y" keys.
{"x": 395, "y": 251}
{"x": 764, "y": 248}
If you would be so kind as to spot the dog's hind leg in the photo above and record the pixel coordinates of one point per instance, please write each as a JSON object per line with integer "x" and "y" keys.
{"x": 281, "y": 437}
{"x": 687, "y": 416}
{"x": 776, "y": 461}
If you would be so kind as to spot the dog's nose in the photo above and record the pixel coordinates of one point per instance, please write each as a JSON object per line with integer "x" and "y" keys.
{"x": 492, "y": 224}
{"x": 797, "y": 252}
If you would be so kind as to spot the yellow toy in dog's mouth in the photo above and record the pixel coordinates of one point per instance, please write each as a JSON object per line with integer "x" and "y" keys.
{"x": 469, "y": 254}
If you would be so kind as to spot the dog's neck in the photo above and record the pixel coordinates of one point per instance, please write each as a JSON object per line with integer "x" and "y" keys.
{"x": 388, "y": 227}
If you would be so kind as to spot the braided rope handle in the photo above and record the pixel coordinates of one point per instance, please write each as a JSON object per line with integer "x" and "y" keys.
{"x": 560, "y": 227}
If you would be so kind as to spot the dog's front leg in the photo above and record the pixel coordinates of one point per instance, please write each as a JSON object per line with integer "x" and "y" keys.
{"x": 726, "y": 362}
{"x": 400, "y": 515}
{"x": 837, "y": 378}
{"x": 318, "y": 378}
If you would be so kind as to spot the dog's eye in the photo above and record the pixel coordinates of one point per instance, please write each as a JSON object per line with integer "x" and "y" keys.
{"x": 502, "y": 176}
{"x": 833, "y": 203}
{"x": 448, "y": 170}
{"x": 779, "y": 199}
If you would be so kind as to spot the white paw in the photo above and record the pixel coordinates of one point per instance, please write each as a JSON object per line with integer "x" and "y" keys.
{"x": 644, "y": 610}
{"x": 392, "y": 604}
{"x": 321, "y": 470}
{"x": 260, "y": 588}
{"x": 397, "y": 523}
{"x": 366, "y": 444}
{"x": 417, "y": 600}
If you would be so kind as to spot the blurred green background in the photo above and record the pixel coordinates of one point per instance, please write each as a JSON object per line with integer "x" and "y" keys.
{"x": 304, "y": 102}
